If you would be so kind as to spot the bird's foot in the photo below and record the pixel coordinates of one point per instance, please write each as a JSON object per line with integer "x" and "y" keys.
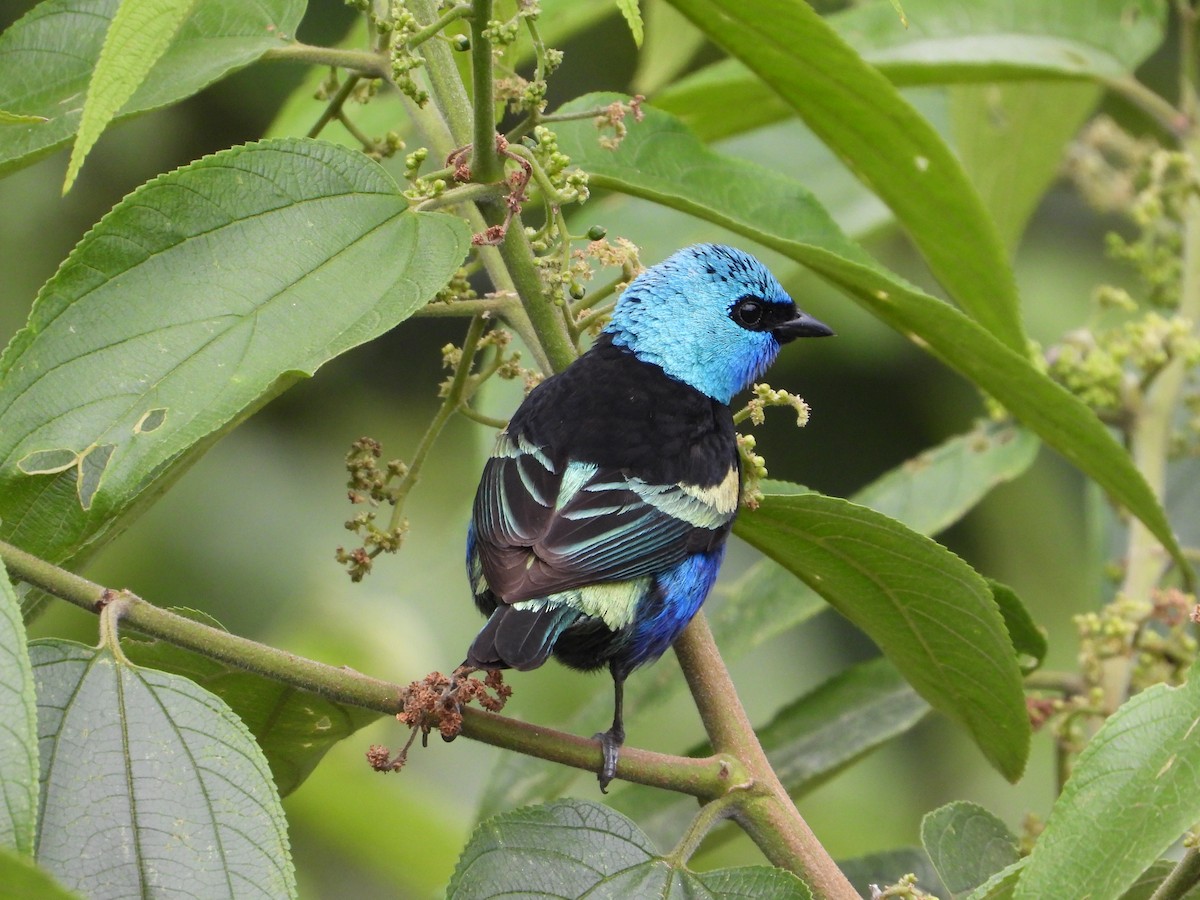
{"x": 610, "y": 747}
{"x": 449, "y": 699}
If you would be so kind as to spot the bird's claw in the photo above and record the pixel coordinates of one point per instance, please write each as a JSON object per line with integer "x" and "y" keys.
{"x": 610, "y": 747}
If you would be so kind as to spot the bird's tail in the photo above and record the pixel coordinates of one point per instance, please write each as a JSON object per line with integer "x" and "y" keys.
{"x": 519, "y": 639}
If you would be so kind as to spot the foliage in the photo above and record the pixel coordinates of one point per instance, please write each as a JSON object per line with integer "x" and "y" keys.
{"x": 155, "y": 762}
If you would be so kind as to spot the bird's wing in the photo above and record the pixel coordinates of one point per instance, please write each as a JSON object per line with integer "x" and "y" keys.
{"x": 540, "y": 529}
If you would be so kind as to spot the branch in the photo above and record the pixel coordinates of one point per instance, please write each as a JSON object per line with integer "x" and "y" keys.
{"x": 334, "y": 108}
{"x": 707, "y": 778}
{"x": 1171, "y": 120}
{"x": 486, "y": 165}
{"x": 768, "y": 814}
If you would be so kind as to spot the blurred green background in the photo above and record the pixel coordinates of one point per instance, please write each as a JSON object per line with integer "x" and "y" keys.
{"x": 248, "y": 535}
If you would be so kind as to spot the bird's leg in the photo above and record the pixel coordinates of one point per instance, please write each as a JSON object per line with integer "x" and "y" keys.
{"x": 611, "y": 740}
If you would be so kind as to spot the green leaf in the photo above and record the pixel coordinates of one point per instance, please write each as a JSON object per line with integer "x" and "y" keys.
{"x": 931, "y": 614}
{"x": 933, "y": 490}
{"x": 137, "y": 37}
{"x": 47, "y": 58}
{"x": 294, "y": 728}
{"x": 1032, "y": 121}
{"x": 671, "y": 43}
{"x": 970, "y": 41}
{"x": 985, "y": 40}
{"x": 23, "y": 880}
{"x": 573, "y": 848}
{"x": 633, "y": 18}
{"x": 18, "y": 729}
{"x": 721, "y": 100}
{"x": 1027, "y": 638}
{"x": 1002, "y": 885}
{"x": 1133, "y": 791}
{"x": 661, "y": 161}
{"x": 882, "y": 139}
{"x": 967, "y": 844}
{"x": 156, "y": 779}
{"x": 202, "y": 295}
{"x": 819, "y": 734}
{"x": 889, "y": 867}
{"x": 809, "y": 741}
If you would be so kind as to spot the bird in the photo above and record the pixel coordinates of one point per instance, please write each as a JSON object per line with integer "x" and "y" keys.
{"x": 600, "y": 519}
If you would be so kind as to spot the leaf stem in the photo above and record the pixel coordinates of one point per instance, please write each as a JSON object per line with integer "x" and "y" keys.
{"x": 710, "y": 815}
{"x": 459, "y": 308}
{"x": 1182, "y": 878}
{"x": 1185, "y": 876}
{"x": 1066, "y": 683}
{"x": 453, "y": 399}
{"x": 1187, "y": 59}
{"x": 463, "y": 194}
{"x": 334, "y": 109}
{"x": 364, "y": 62}
{"x": 458, "y": 11}
{"x": 767, "y": 814}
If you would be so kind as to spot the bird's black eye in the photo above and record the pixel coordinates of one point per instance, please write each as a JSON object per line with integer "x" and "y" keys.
{"x": 748, "y": 312}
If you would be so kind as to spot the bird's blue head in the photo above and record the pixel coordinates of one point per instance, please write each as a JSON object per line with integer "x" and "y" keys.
{"x": 711, "y": 316}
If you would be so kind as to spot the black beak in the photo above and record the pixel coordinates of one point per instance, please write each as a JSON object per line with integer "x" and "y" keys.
{"x": 803, "y": 325}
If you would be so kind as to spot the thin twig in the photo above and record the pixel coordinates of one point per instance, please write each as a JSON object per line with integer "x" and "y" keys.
{"x": 334, "y": 108}
{"x": 364, "y": 62}
{"x": 453, "y": 399}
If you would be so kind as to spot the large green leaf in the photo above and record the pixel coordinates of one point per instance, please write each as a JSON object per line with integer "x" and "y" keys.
{"x": 1133, "y": 792}
{"x": 198, "y": 298}
{"x": 574, "y": 848}
{"x": 882, "y": 139}
{"x": 661, "y": 161}
{"x": 809, "y": 741}
{"x": 150, "y": 785}
{"x": 18, "y": 729}
{"x": 969, "y": 41}
{"x": 817, "y": 735}
{"x": 967, "y": 844}
{"x": 47, "y": 59}
{"x": 1032, "y": 121}
{"x": 990, "y": 40}
{"x": 932, "y": 491}
{"x": 931, "y": 614}
{"x": 294, "y": 728}
{"x": 138, "y": 36}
